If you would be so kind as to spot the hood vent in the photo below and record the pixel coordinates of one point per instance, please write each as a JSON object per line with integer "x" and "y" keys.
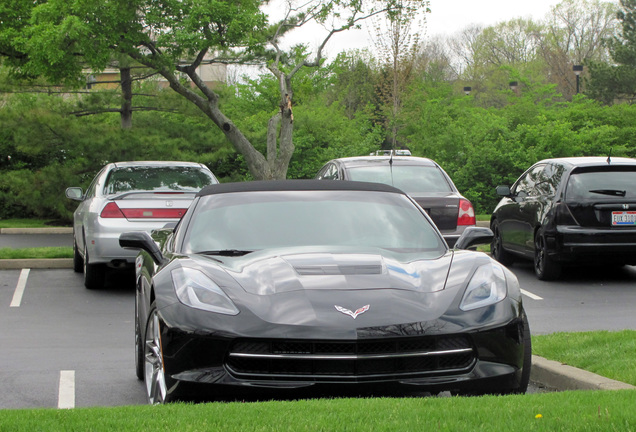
{"x": 341, "y": 270}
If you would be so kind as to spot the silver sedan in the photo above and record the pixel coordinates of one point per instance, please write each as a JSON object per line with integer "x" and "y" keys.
{"x": 128, "y": 196}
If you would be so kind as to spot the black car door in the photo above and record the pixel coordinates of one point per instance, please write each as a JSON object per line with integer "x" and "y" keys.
{"x": 520, "y": 216}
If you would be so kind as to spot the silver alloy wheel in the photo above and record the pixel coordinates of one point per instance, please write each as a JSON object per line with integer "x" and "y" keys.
{"x": 154, "y": 373}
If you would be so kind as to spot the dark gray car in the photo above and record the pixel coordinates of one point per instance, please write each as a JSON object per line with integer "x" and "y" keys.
{"x": 302, "y": 284}
{"x": 423, "y": 179}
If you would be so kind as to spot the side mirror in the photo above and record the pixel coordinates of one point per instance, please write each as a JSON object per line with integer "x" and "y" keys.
{"x": 74, "y": 193}
{"x": 504, "y": 191}
{"x": 474, "y": 236}
{"x": 141, "y": 240}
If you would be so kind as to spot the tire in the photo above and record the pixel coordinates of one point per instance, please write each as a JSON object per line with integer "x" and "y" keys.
{"x": 496, "y": 246}
{"x": 154, "y": 373}
{"x": 527, "y": 358}
{"x": 139, "y": 346}
{"x": 78, "y": 261}
{"x": 544, "y": 267}
{"x": 94, "y": 274}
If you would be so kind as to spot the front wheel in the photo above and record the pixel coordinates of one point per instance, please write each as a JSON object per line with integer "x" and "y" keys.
{"x": 544, "y": 267}
{"x": 139, "y": 346}
{"x": 154, "y": 373}
{"x": 496, "y": 246}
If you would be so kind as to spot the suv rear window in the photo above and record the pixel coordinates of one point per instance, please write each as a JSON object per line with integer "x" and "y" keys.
{"x": 189, "y": 179}
{"x": 594, "y": 185}
{"x": 408, "y": 178}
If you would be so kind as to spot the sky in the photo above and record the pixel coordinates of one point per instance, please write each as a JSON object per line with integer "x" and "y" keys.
{"x": 447, "y": 17}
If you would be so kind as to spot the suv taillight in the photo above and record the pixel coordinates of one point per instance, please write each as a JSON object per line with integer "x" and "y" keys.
{"x": 111, "y": 211}
{"x": 466, "y": 215}
{"x": 563, "y": 215}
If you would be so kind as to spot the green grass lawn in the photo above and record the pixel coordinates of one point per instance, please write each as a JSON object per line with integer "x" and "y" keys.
{"x": 610, "y": 354}
{"x": 566, "y": 411}
{"x": 39, "y": 253}
{"x": 29, "y": 223}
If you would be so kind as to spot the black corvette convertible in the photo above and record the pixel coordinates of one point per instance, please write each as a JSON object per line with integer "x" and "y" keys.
{"x": 308, "y": 284}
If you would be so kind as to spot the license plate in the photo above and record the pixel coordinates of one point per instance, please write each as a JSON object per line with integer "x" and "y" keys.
{"x": 623, "y": 218}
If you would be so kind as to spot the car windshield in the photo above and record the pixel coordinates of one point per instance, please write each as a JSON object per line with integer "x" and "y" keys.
{"x": 604, "y": 184}
{"x": 237, "y": 223}
{"x": 412, "y": 179}
{"x": 154, "y": 178}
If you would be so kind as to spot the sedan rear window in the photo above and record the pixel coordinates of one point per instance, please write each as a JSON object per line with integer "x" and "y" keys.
{"x": 596, "y": 185}
{"x": 411, "y": 179}
{"x": 188, "y": 179}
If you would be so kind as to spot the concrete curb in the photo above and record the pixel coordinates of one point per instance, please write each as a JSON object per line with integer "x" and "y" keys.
{"x": 563, "y": 377}
{"x": 56, "y": 230}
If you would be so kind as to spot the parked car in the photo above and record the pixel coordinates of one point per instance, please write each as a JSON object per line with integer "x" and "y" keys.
{"x": 127, "y": 196}
{"x": 423, "y": 179}
{"x": 302, "y": 284}
{"x": 568, "y": 211}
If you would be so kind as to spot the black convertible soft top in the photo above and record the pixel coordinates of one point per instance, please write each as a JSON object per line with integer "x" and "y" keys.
{"x": 296, "y": 185}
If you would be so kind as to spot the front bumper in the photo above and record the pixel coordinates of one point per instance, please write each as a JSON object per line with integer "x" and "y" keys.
{"x": 485, "y": 360}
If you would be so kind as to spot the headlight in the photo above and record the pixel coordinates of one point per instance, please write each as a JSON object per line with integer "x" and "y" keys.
{"x": 198, "y": 291}
{"x": 486, "y": 287}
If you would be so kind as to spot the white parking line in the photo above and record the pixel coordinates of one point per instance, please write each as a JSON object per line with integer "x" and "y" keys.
{"x": 19, "y": 290}
{"x": 532, "y": 296}
{"x": 66, "y": 394}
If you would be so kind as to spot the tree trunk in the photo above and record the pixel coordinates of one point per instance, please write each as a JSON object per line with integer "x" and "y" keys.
{"x": 126, "y": 98}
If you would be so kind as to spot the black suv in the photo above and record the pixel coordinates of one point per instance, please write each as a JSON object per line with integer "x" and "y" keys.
{"x": 568, "y": 211}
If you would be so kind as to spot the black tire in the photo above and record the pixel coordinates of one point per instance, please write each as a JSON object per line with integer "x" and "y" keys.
{"x": 78, "y": 261}
{"x": 94, "y": 274}
{"x": 154, "y": 374}
{"x": 527, "y": 358}
{"x": 545, "y": 267}
{"x": 139, "y": 346}
{"x": 496, "y": 246}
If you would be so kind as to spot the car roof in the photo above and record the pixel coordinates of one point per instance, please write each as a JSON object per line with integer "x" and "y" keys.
{"x": 296, "y": 185}
{"x": 155, "y": 163}
{"x": 356, "y": 161}
{"x": 585, "y": 161}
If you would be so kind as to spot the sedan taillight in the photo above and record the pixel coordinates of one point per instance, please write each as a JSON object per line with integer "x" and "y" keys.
{"x": 112, "y": 210}
{"x": 466, "y": 215}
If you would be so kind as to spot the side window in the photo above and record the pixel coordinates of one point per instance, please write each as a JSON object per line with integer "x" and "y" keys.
{"x": 90, "y": 192}
{"x": 330, "y": 172}
{"x": 551, "y": 179}
{"x": 526, "y": 185}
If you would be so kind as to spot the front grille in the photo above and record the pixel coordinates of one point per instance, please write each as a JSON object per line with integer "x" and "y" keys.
{"x": 347, "y": 361}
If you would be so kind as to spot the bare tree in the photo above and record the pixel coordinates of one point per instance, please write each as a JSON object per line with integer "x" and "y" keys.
{"x": 574, "y": 34}
{"x": 396, "y": 40}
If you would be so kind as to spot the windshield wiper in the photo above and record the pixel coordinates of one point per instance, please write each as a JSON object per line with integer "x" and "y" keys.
{"x": 613, "y": 192}
{"x": 225, "y": 252}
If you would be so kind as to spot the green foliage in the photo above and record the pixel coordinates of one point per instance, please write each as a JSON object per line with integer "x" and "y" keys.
{"x": 43, "y": 150}
{"x": 325, "y": 132}
{"x": 481, "y": 148}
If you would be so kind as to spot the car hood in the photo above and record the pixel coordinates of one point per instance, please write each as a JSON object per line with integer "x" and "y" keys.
{"x": 289, "y": 272}
{"x": 332, "y": 290}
